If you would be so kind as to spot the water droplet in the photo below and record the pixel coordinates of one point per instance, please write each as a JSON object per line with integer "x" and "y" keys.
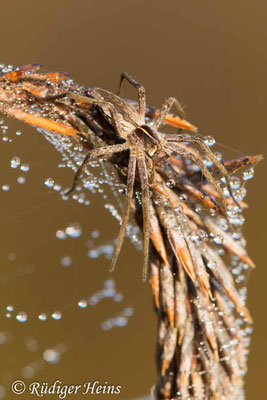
{"x": 107, "y": 325}
{"x": 93, "y": 300}
{"x": 15, "y": 162}
{"x": 5, "y": 188}
{"x": 57, "y": 187}
{"x": 74, "y": 230}
{"x": 209, "y": 140}
{"x": 21, "y": 180}
{"x": 66, "y": 261}
{"x": 22, "y": 316}
{"x": 11, "y": 257}
{"x": 235, "y": 218}
{"x": 178, "y": 209}
{"x": 10, "y": 308}
{"x": 128, "y": 312}
{"x": 25, "y": 167}
{"x": 208, "y": 162}
{"x": 249, "y": 330}
{"x": 27, "y": 372}
{"x": 61, "y": 234}
{"x": 121, "y": 321}
{"x": 248, "y": 174}
{"x": 83, "y": 303}
{"x": 49, "y": 182}
{"x": 235, "y": 182}
{"x": 51, "y": 356}
{"x": 93, "y": 254}
{"x": 118, "y": 297}
{"x": 223, "y": 224}
{"x": 199, "y": 236}
{"x": 240, "y": 278}
{"x": 183, "y": 197}
{"x": 109, "y": 284}
{"x": 18, "y": 133}
{"x": 31, "y": 343}
{"x": 95, "y": 234}
{"x": 42, "y": 317}
{"x": 107, "y": 250}
{"x": 218, "y": 239}
{"x": 123, "y": 189}
{"x": 57, "y": 315}
{"x": 218, "y": 155}
{"x": 109, "y": 292}
{"x": 240, "y": 194}
{"x": 170, "y": 183}
{"x": 157, "y": 202}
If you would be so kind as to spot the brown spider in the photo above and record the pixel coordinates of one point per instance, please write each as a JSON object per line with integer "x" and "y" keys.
{"x": 144, "y": 143}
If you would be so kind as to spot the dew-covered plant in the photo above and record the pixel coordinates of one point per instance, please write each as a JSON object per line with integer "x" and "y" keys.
{"x": 187, "y": 201}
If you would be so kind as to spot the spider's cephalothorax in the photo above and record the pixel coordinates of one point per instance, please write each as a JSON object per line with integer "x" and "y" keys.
{"x": 129, "y": 122}
{"x": 143, "y": 142}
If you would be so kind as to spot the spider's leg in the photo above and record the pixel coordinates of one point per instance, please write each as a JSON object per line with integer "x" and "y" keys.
{"x": 87, "y": 102}
{"x": 140, "y": 89}
{"x": 205, "y": 171}
{"x": 152, "y": 169}
{"x": 168, "y": 104}
{"x": 142, "y": 169}
{"x": 211, "y": 155}
{"x": 101, "y": 103}
{"x": 126, "y": 213}
{"x": 116, "y": 148}
{"x": 114, "y": 115}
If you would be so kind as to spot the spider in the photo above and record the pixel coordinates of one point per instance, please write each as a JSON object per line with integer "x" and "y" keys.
{"x": 144, "y": 143}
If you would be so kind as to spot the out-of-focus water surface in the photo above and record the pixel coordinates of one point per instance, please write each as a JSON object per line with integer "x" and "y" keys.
{"x": 55, "y": 254}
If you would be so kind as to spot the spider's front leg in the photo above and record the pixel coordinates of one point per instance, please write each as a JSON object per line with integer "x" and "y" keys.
{"x": 101, "y": 151}
{"x": 140, "y": 89}
{"x": 168, "y": 104}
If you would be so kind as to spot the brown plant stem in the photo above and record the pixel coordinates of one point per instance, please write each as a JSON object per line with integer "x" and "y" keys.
{"x": 202, "y": 345}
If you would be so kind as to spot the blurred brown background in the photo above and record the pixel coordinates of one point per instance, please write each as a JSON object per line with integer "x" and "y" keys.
{"x": 212, "y": 56}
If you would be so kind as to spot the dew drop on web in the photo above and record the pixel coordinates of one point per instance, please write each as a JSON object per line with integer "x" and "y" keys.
{"x": 22, "y": 316}
{"x": 15, "y": 162}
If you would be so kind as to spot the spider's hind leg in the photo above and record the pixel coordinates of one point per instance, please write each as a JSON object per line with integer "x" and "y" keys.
{"x": 142, "y": 169}
{"x": 78, "y": 174}
{"x": 127, "y": 208}
{"x": 140, "y": 89}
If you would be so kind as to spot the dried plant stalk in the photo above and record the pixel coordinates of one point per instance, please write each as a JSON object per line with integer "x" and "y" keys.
{"x": 203, "y": 322}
